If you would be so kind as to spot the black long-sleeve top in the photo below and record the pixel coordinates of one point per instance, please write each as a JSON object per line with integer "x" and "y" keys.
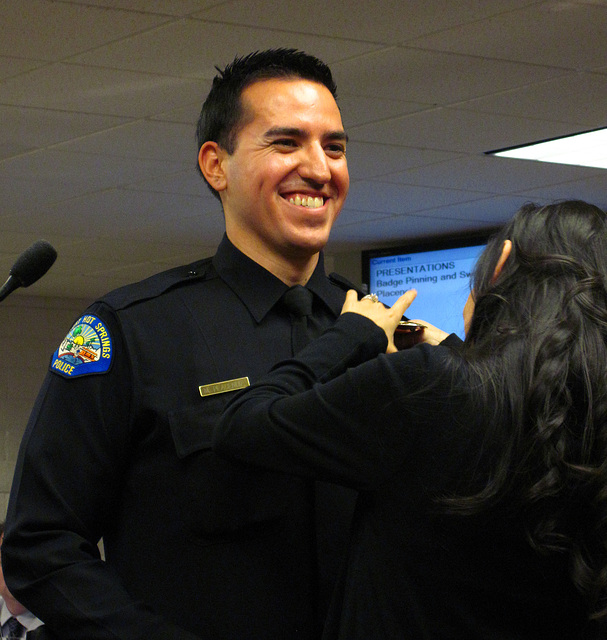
{"x": 397, "y": 428}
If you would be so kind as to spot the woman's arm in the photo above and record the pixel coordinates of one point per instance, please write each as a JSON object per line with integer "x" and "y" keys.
{"x": 333, "y": 413}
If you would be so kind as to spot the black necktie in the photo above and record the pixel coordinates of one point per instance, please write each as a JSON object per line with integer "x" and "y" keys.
{"x": 298, "y": 300}
{"x": 332, "y": 504}
{"x": 12, "y": 628}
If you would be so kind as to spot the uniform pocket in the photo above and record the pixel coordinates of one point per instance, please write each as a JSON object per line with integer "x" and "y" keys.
{"x": 220, "y": 496}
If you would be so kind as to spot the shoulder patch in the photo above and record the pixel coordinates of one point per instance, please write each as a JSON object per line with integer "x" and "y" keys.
{"x": 86, "y": 349}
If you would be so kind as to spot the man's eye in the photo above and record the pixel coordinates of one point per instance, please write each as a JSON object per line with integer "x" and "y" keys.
{"x": 285, "y": 142}
{"x": 336, "y": 149}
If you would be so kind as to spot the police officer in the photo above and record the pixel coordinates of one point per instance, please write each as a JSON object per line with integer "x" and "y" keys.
{"x": 196, "y": 547}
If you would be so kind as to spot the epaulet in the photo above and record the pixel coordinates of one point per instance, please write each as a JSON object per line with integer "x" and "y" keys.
{"x": 344, "y": 283}
{"x": 158, "y": 284}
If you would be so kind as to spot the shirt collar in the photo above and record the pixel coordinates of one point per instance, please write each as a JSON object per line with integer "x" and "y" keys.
{"x": 27, "y": 619}
{"x": 259, "y": 289}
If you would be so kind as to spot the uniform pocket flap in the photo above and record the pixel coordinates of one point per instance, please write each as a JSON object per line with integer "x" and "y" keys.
{"x": 192, "y": 428}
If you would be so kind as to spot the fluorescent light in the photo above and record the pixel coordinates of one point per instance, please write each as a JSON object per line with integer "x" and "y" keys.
{"x": 588, "y": 149}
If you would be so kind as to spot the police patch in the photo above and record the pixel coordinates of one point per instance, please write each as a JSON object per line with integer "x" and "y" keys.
{"x": 86, "y": 349}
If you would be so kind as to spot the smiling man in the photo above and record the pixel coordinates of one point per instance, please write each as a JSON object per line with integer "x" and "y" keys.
{"x": 285, "y": 180}
{"x": 196, "y": 547}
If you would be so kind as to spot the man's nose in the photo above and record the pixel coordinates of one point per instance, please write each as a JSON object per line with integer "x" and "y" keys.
{"x": 315, "y": 164}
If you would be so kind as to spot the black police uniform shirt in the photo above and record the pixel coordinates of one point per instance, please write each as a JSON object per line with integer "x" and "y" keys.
{"x": 116, "y": 448}
{"x": 396, "y": 428}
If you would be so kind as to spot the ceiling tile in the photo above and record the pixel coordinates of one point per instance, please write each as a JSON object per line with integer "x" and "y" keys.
{"x": 389, "y": 21}
{"x": 481, "y": 214}
{"x": 10, "y": 66}
{"x": 167, "y": 7}
{"x": 557, "y": 99}
{"x": 357, "y": 110}
{"x": 374, "y": 160}
{"x": 26, "y": 129}
{"x": 570, "y": 35}
{"x": 68, "y": 87}
{"x": 43, "y": 30}
{"x": 187, "y": 181}
{"x": 590, "y": 189}
{"x": 192, "y": 48}
{"x": 458, "y": 130}
{"x": 394, "y": 230}
{"x": 397, "y": 199}
{"x": 433, "y": 77}
{"x": 84, "y": 171}
{"x": 142, "y": 139}
{"x": 490, "y": 174}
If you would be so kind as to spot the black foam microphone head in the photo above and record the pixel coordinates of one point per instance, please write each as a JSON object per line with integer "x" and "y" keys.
{"x": 33, "y": 263}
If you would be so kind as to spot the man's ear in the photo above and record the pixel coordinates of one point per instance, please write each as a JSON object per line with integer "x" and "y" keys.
{"x": 506, "y": 249}
{"x": 210, "y": 163}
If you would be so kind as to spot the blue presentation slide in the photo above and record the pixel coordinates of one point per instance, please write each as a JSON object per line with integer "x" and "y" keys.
{"x": 441, "y": 277}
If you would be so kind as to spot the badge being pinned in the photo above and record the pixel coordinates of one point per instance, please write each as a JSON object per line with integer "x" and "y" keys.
{"x": 86, "y": 349}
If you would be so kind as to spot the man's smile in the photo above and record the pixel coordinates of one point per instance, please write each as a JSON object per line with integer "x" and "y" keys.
{"x": 310, "y": 202}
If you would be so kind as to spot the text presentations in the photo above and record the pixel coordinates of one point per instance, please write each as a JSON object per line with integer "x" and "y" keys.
{"x": 441, "y": 278}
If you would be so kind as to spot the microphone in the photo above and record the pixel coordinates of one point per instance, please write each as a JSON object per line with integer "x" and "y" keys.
{"x": 30, "y": 266}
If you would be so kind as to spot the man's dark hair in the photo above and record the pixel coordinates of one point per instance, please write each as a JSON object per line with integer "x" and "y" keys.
{"x": 222, "y": 113}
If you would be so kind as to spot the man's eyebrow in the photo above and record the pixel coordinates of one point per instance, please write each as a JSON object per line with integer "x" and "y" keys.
{"x": 338, "y": 135}
{"x": 275, "y": 132}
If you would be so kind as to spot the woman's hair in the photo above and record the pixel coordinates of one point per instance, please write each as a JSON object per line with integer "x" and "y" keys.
{"x": 537, "y": 341}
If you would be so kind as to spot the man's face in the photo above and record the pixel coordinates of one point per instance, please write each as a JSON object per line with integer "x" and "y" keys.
{"x": 287, "y": 179}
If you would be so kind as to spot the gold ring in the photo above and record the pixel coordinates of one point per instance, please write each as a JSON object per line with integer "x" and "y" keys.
{"x": 371, "y": 296}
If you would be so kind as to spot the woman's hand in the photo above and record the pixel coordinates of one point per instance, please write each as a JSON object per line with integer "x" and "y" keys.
{"x": 386, "y": 318}
{"x": 431, "y": 334}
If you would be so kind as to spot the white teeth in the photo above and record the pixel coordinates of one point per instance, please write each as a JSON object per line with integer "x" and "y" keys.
{"x": 309, "y": 202}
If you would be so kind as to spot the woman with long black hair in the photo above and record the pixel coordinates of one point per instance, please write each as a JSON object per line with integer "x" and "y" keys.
{"x": 482, "y": 465}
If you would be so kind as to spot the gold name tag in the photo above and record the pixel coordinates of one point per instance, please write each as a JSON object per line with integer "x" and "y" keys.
{"x": 223, "y": 387}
